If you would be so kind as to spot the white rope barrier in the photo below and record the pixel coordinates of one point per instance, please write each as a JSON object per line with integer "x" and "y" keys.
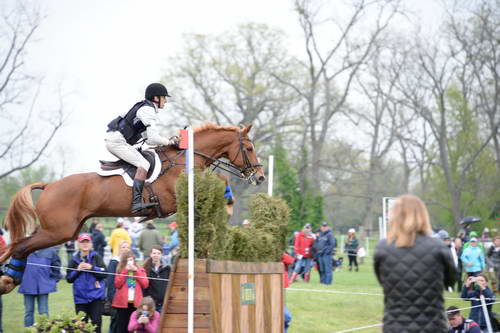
{"x": 335, "y": 292}
{"x": 373, "y": 294}
{"x": 91, "y": 271}
{"x": 359, "y": 328}
{"x": 379, "y": 325}
{"x": 292, "y": 289}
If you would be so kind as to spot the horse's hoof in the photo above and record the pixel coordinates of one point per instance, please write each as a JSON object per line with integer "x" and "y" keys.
{"x": 6, "y": 284}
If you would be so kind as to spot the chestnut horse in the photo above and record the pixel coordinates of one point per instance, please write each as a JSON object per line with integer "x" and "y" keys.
{"x": 64, "y": 205}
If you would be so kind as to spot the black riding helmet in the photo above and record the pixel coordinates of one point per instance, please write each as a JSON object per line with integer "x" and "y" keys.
{"x": 155, "y": 89}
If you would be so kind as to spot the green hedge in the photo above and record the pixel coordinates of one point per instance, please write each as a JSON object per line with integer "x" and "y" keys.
{"x": 264, "y": 240}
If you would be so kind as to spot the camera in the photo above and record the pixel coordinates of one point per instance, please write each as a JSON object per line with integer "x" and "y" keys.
{"x": 145, "y": 313}
{"x": 130, "y": 261}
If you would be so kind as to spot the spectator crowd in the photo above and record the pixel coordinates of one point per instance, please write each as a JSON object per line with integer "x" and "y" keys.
{"x": 127, "y": 283}
{"x": 125, "y": 275}
{"x": 317, "y": 251}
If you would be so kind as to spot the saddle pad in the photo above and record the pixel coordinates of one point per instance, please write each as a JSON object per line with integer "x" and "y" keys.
{"x": 127, "y": 171}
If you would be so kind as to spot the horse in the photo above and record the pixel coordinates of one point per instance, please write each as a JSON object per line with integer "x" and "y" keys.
{"x": 64, "y": 205}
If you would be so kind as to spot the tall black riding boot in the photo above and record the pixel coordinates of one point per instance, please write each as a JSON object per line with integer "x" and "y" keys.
{"x": 137, "y": 203}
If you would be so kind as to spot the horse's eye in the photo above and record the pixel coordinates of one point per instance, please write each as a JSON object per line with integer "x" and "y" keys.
{"x": 250, "y": 149}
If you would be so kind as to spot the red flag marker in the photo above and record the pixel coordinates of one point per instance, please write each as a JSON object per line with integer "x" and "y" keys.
{"x": 184, "y": 139}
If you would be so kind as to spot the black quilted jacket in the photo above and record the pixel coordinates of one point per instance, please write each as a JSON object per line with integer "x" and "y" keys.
{"x": 413, "y": 279}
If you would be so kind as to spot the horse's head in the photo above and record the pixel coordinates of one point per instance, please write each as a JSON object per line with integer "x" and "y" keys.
{"x": 242, "y": 154}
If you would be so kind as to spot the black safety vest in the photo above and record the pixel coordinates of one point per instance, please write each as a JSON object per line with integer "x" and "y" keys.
{"x": 129, "y": 125}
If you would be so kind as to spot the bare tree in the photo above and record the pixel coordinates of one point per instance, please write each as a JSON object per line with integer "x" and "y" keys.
{"x": 436, "y": 85}
{"x": 479, "y": 43}
{"x": 379, "y": 117}
{"x": 330, "y": 68}
{"x": 25, "y": 136}
{"x": 227, "y": 79}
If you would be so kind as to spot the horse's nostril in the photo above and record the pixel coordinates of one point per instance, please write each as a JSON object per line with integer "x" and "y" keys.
{"x": 261, "y": 179}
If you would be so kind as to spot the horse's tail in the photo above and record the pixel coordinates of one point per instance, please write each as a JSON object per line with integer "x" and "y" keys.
{"x": 21, "y": 216}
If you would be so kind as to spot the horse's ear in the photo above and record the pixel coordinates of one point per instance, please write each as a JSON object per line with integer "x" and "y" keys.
{"x": 247, "y": 129}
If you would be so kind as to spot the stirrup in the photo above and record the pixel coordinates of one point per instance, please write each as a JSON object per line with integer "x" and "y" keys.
{"x": 142, "y": 206}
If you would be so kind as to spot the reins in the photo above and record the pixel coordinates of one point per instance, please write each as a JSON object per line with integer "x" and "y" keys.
{"x": 246, "y": 173}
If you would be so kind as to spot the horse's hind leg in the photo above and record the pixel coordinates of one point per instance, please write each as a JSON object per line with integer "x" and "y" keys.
{"x": 20, "y": 251}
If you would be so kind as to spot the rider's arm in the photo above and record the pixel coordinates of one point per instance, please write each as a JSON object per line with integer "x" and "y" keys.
{"x": 148, "y": 117}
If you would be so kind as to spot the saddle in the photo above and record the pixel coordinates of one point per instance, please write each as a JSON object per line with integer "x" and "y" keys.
{"x": 127, "y": 170}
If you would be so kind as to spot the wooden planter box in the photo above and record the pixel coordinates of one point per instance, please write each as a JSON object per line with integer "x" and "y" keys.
{"x": 230, "y": 297}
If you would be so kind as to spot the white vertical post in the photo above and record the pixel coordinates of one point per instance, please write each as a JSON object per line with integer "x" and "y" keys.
{"x": 342, "y": 243}
{"x": 380, "y": 228}
{"x": 190, "y": 171}
{"x": 486, "y": 314}
{"x": 271, "y": 176}
{"x": 367, "y": 246}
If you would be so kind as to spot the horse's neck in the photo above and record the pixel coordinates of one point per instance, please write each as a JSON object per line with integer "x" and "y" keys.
{"x": 213, "y": 143}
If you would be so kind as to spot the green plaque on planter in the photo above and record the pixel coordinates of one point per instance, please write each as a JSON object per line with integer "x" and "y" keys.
{"x": 248, "y": 293}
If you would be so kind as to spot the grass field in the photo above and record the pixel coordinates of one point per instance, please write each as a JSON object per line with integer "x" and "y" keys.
{"x": 313, "y": 312}
{"x": 317, "y": 312}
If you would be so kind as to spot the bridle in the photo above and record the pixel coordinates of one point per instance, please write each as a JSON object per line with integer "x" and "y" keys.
{"x": 246, "y": 173}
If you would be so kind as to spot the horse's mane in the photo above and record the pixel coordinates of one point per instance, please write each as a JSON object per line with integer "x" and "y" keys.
{"x": 212, "y": 126}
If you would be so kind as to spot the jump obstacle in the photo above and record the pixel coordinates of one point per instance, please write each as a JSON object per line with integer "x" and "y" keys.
{"x": 229, "y": 297}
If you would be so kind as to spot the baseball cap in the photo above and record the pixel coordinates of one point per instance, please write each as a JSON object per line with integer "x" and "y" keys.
{"x": 352, "y": 230}
{"x": 307, "y": 225}
{"x": 324, "y": 224}
{"x": 473, "y": 239}
{"x": 83, "y": 237}
{"x": 443, "y": 235}
{"x": 173, "y": 224}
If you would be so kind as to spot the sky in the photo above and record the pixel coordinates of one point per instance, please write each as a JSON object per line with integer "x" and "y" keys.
{"x": 106, "y": 52}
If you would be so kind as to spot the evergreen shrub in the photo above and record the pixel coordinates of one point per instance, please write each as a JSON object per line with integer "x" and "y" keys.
{"x": 264, "y": 240}
{"x": 62, "y": 323}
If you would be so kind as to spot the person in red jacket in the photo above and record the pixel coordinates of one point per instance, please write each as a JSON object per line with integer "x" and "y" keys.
{"x": 303, "y": 252}
{"x": 287, "y": 260}
{"x": 129, "y": 283}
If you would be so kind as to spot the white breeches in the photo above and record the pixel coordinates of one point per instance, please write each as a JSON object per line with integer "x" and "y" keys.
{"x": 118, "y": 146}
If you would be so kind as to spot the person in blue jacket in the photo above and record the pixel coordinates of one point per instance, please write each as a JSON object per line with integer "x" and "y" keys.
{"x": 169, "y": 248}
{"x": 86, "y": 271}
{"x": 474, "y": 287}
{"x": 324, "y": 245}
{"x": 473, "y": 258}
{"x": 38, "y": 281}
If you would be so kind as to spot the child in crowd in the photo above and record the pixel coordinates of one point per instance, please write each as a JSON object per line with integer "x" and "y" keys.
{"x": 145, "y": 319}
{"x": 129, "y": 283}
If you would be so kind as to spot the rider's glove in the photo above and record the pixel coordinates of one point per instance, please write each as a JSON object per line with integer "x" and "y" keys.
{"x": 174, "y": 140}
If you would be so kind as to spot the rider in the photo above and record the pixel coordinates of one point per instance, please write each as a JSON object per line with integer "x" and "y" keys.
{"x": 129, "y": 128}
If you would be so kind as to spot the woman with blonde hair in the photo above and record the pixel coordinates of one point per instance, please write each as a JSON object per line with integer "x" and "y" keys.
{"x": 129, "y": 283}
{"x": 124, "y": 247}
{"x": 413, "y": 269}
